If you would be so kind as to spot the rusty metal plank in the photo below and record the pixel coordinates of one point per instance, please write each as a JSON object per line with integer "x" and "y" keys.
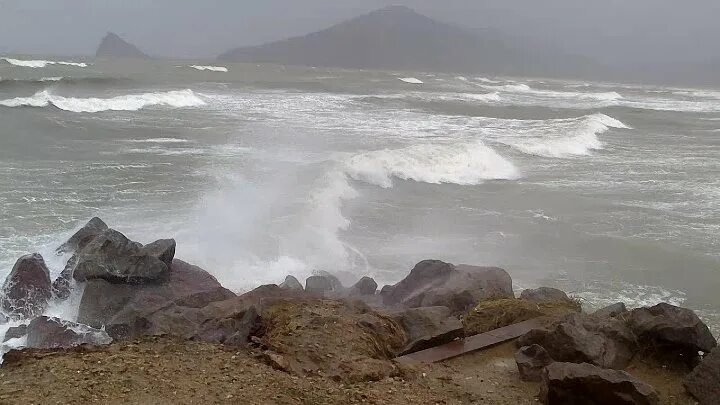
{"x": 471, "y": 344}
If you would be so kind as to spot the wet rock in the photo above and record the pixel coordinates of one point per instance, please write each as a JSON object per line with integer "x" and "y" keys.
{"x": 428, "y": 327}
{"x": 365, "y": 287}
{"x": 611, "y": 311}
{"x": 62, "y": 286}
{"x": 291, "y": 283}
{"x": 26, "y": 290}
{"x": 319, "y": 285}
{"x": 53, "y": 333}
{"x": 672, "y": 328}
{"x": 114, "y": 258}
{"x": 82, "y": 237}
{"x": 703, "y": 382}
{"x": 129, "y": 310}
{"x": 543, "y": 294}
{"x": 570, "y": 383}
{"x": 230, "y": 331}
{"x": 436, "y": 283}
{"x": 580, "y": 338}
{"x": 531, "y": 360}
{"x": 15, "y": 332}
{"x": 3, "y": 319}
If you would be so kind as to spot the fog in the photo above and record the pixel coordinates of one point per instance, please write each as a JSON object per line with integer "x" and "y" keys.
{"x": 656, "y": 35}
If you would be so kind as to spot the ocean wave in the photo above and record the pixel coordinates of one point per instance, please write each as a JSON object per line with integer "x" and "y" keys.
{"x": 411, "y": 80}
{"x": 158, "y": 140}
{"x": 562, "y": 138}
{"x": 132, "y": 102}
{"x": 463, "y": 164}
{"x": 526, "y": 89}
{"x": 36, "y": 64}
{"x": 210, "y": 68}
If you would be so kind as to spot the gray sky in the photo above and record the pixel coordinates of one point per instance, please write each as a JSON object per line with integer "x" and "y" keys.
{"x": 615, "y": 32}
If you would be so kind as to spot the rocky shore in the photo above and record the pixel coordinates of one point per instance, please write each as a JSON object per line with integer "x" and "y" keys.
{"x": 153, "y": 329}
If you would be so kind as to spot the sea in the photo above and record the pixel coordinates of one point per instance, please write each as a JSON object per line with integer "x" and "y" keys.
{"x": 608, "y": 191}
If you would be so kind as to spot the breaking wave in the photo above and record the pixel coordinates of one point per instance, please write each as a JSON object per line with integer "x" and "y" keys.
{"x": 563, "y": 138}
{"x": 210, "y": 68}
{"x": 411, "y": 80}
{"x": 463, "y": 164}
{"x": 132, "y": 102}
{"x": 35, "y": 64}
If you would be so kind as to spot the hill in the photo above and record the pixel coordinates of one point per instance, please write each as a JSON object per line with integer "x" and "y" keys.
{"x": 399, "y": 38}
{"x": 115, "y": 47}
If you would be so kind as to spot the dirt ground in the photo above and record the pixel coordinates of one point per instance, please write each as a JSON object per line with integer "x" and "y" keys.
{"x": 168, "y": 371}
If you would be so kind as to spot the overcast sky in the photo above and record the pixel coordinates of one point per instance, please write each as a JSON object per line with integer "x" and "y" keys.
{"x": 631, "y": 32}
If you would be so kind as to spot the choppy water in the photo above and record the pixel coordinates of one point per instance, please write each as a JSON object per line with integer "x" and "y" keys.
{"x": 609, "y": 191}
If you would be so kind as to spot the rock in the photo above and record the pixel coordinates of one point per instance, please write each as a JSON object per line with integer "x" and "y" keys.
{"x": 703, "y": 382}
{"x": 15, "y": 332}
{"x": 531, "y": 360}
{"x": 27, "y": 288}
{"x": 570, "y": 383}
{"x": 580, "y": 338}
{"x": 427, "y": 327}
{"x": 168, "y": 307}
{"x": 113, "y": 257}
{"x": 231, "y": 331}
{"x": 319, "y": 285}
{"x": 436, "y": 283}
{"x": 366, "y": 286}
{"x": 62, "y": 286}
{"x": 275, "y": 361}
{"x": 85, "y": 235}
{"x": 611, "y": 311}
{"x": 543, "y": 294}
{"x": 291, "y": 283}
{"x": 3, "y": 319}
{"x": 53, "y": 333}
{"x": 672, "y": 328}
{"x": 112, "y": 46}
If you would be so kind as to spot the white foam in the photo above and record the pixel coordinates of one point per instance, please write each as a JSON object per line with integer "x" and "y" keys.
{"x": 132, "y": 102}
{"x": 210, "y": 68}
{"x": 36, "y": 64}
{"x": 158, "y": 140}
{"x": 463, "y": 164}
{"x": 411, "y": 80}
{"x": 487, "y": 97}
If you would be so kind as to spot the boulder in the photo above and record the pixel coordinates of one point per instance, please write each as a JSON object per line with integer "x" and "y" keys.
{"x": 53, "y": 333}
{"x": 27, "y": 288}
{"x": 319, "y": 285}
{"x": 531, "y": 360}
{"x": 113, "y": 257}
{"x": 703, "y": 382}
{"x": 427, "y": 327}
{"x": 15, "y": 332}
{"x": 85, "y": 235}
{"x": 671, "y": 328}
{"x": 543, "y": 294}
{"x": 129, "y": 311}
{"x": 291, "y": 283}
{"x": 436, "y": 283}
{"x": 580, "y": 338}
{"x": 365, "y": 287}
{"x": 3, "y": 319}
{"x": 62, "y": 286}
{"x": 570, "y": 383}
{"x": 611, "y": 311}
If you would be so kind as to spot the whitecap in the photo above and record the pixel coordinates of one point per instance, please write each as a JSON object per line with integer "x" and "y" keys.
{"x": 411, "y": 80}
{"x": 132, "y": 102}
{"x": 36, "y": 64}
{"x": 210, "y": 68}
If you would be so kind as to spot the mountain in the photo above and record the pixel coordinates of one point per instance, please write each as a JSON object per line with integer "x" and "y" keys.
{"x": 115, "y": 47}
{"x": 399, "y": 38}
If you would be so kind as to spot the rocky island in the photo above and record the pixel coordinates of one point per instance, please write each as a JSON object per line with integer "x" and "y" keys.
{"x": 153, "y": 329}
{"x": 112, "y": 46}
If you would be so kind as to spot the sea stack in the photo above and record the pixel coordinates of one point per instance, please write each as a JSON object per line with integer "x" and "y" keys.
{"x": 112, "y": 46}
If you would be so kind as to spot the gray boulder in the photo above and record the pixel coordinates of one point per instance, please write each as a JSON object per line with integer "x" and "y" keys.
{"x": 366, "y": 286}
{"x": 53, "y": 333}
{"x": 544, "y": 294}
{"x": 531, "y": 360}
{"x": 672, "y": 328}
{"x": 114, "y": 258}
{"x": 570, "y": 383}
{"x": 82, "y": 237}
{"x": 436, "y": 283}
{"x": 165, "y": 307}
{"x": 26, "y": 290}
{"x": 291, "y": 283}
{"x": 580, "y": 338}
{"x": 703, "y": 382}
{"x": 323, "y": 285}
{"x": 15, "y": 332}
{"x": 62, "y": 286}
{"x": 611, "y": 311}
{"x": 428, "y": 327}
{"x": 3, "y": 319}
